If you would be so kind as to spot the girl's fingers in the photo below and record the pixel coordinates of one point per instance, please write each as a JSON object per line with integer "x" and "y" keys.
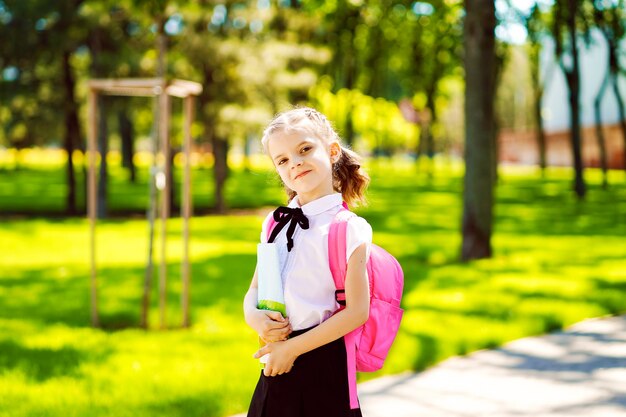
{"x": 274, "y": 315}
{"x": 270, "y": 370}
{"x": 286, "y": 370}
{"x": 273, "y": 370}
{"x": 259, "y": 353}
{"x": 270, "y": 328}
{"x": 278, "y": 324}
{"x": 276, "y": 334}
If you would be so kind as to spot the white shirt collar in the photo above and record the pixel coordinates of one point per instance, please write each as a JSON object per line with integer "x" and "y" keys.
{"x": 318, "y": 206}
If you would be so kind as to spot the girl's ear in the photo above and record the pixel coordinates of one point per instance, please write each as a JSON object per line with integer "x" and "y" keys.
{"x": 335, "y": 152}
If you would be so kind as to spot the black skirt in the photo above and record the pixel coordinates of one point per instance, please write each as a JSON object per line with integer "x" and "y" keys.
{"x": 317, "y": 385}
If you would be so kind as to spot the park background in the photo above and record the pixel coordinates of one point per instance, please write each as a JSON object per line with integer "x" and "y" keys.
{"x": 508, "y": 214}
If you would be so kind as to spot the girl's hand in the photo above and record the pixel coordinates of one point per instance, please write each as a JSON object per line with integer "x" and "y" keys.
{"x": 281, "y": 358}
{"x": 271, "y": 325}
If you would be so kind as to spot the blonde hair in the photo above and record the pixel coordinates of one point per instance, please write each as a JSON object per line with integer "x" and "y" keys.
{"x": 348, "y": 177}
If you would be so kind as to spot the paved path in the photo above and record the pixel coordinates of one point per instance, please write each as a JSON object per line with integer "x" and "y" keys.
{"x": 577, "y": 372}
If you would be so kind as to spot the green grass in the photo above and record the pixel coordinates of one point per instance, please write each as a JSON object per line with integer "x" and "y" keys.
{"x": 38, "y": 186}
{"x": 557, "y": 261}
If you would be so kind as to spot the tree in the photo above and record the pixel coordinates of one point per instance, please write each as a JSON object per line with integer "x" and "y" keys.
{"x": 43, "y": 35}
{"x": 535, "y": 26}
{"x": 203, "y": 42}
{"x": 434, "y": 51}
{"x": 69, "y": 34}
{"x": 597, "y": 110}
{"x": 341, "y": 35}
{"x": 610, "y": 19}
{"x": 480, "y": 75}
{"x": 566, "y": 17}
{"x": 253, "y": 61}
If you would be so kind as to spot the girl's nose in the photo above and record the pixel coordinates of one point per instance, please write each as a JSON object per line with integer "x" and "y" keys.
{"x": 297, "y": 162}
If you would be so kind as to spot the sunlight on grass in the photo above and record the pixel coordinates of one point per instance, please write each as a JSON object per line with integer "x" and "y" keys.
{"x": 556, "y": 261}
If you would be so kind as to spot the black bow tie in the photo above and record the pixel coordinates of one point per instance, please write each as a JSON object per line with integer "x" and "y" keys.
{"x": 293, "y": 216}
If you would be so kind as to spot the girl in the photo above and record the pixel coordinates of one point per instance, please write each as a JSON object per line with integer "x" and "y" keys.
{"x": 306, "y": 374}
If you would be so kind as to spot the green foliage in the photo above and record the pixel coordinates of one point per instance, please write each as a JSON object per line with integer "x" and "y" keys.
{"x": 253, "y": 59}
{"x": 378, "y": 123}
{"x": 557, "y": 261}
{"x": 568, "y": 18}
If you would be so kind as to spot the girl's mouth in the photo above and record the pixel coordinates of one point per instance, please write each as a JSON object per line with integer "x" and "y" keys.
{"x": 302, "y": 174}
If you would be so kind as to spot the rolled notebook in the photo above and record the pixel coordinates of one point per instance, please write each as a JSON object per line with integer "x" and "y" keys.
{"x": 270, "y": 293}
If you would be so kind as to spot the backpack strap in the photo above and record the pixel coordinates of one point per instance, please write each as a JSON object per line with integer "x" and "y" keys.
{"x": 270, "y": 226}
{"x": 338, "y": 267}
{"x": 337, "y": 248}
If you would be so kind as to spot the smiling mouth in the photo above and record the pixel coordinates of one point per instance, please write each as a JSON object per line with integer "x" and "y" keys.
{"x": 302, "y": 174}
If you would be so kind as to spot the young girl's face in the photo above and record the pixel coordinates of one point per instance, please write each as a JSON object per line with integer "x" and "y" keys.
{"x": 304, "y": 163}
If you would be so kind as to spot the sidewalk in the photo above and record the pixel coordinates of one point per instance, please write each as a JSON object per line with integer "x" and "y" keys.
{"x": 577, "y": 372}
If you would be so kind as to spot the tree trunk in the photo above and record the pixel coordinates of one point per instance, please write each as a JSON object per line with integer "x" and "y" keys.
{"x": 429, "y": 138}
{"x": 72, "y": 132}
{"x": 501, "y": 56}
{"x": 597, "y": 107}
{"x": 220, "y": 171}
{"x": 573, "y": 83}
{"x": 612, "y": 38}
{"x": 128, "y": 145}
{"x": 349, "y": 129}
{"x": 172, "y": 186}
{"x": 495, "y": 150}
{"x": 419, "y": 144}
{"x": 103, "y": 146}
{"x": 620, "y": 108}
{"x": 574, "y": 94}
{"x": 422, "y": 143}
{"x": 246, "y": 151}
{"x": 480, "y": 73}
{"x": 431, "y": 94}
{"x": 538, "y": 89}
{"x": 540, "y": 131}
{"x": 350, "y": 64}
{"x": 430, "y": 104}
{"x": 376, "y": 55}
{"x": 219, "y": 145}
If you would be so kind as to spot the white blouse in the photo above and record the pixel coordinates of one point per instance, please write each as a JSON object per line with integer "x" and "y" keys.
{"x": 308, "y": 284}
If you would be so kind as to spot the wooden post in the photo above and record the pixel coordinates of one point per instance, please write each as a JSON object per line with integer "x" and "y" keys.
{"x": 188, "y": 111}
{"x": 92, "y": 110}
{"x": 146, "y": 87}
{"x": 164, "y": 102}
{"x": 152, "y": 210}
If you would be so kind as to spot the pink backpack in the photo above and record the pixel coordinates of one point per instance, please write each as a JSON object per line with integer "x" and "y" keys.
{"x": 375, "y": 337}
{"x": 367, "y": 346}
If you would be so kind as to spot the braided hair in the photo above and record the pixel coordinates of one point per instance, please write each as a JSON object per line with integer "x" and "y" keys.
{"x": 349, "y": 178}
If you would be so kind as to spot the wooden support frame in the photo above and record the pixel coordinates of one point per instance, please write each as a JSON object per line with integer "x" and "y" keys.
{"x": 163, "y": 89}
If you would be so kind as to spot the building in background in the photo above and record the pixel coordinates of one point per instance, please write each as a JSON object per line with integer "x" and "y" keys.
{"x": 519, "y": 145}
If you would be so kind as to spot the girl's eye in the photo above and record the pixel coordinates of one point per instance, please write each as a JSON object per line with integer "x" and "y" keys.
{"x": 282, "y": 161}
{"x": 305, "y": 149}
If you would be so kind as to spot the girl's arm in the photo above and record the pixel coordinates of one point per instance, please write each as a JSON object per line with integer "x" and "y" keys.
{"x": 271, "y": 326}
{"x": 342, "y": 323}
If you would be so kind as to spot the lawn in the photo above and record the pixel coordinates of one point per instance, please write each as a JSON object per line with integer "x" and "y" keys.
{"x": 556, "y": 261}
{"x": 38, "y": 187}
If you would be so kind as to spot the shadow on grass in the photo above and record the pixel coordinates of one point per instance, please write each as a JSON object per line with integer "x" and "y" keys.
{"x": 428, "y": 350}
{"x": 37, "y": 295}
{"x": 41, "y": 364}
{"x": 198, "y": 405}
{"x": 42, "y": 191}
